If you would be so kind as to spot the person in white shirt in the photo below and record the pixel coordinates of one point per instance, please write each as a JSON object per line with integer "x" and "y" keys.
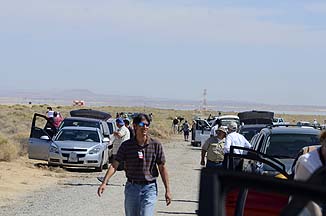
{"x": 235, "y": 139}
{"x": 121, "y": 135}
{"x": 306, "y": 165}
{"x": 213, "y": 131}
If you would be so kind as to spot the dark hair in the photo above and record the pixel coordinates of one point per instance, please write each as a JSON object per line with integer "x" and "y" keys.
{"x": 50, "y": 108}
{"x": 139, "y": 117}
{"x": 322, "y": 137}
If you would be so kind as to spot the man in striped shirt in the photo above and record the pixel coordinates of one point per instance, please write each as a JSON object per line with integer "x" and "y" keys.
{"x": 144, "y": 159}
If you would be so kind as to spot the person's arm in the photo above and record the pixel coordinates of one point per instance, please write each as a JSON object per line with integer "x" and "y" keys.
{"x": 203, "y": 154}
{"x": 112, "y": 169}
{"x": 120, "y": 133}
{"x": 247, "y": 143}
{"x": 165, "y": 178}
{"x": 227, "y": 145}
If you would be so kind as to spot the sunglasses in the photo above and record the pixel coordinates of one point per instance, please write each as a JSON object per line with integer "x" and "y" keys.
{"x": 142, "y": 124}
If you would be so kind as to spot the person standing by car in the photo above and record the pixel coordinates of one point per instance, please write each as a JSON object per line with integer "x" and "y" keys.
{"x": 186, "y": 129}
{"x": 213, "y": 130}
{"x": 144, "y": 160}
{"x": 306, "y": 165}
{"x": 131, "y": 130}
{"x": 175, "y": 125}
{"x": 121, "y": 135}
{"x": 235, "y": 139}
{"x": 213, "y": 147}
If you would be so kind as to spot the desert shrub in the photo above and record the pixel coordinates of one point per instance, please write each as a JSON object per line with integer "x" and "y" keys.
{"x": 21, "y": 139}
{"x": 8, "y": 150}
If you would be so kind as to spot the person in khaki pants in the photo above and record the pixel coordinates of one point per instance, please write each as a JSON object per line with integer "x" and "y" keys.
{"x": 213, "y": 147}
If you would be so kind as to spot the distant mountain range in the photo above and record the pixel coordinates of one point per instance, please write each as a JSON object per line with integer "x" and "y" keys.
{"x": 65, "y": 97}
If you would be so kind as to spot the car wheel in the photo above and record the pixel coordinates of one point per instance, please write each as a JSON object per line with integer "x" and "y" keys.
{"x": 100, "y": 168}
{"x": 106, "y": 165}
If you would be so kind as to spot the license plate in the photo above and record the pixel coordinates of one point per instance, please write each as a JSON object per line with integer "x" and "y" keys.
{"x": 73, "y": 157}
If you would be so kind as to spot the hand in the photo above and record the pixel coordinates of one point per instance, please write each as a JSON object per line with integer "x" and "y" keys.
{"x": 168, "y": 198}
{"x": 202, "y": 162}
{"x": 101, "y": 189}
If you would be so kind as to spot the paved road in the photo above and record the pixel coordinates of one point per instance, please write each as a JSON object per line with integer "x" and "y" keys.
{"x": 77, "y": 195}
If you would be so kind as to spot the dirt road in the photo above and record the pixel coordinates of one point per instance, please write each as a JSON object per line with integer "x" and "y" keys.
{"x": 77, "y": 195}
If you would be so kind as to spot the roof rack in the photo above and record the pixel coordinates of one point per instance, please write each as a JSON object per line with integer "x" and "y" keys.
{"x": 290, "y": 125}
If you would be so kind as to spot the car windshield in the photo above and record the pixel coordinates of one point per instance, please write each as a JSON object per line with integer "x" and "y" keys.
{"x": 78, "y": 135}
{"x": 248, "y": 133}
{"x": 81, "y": 123}
{"x": 275, "y": 120}
{"x": 226, "y": 122}
{"x": 289, "y": 145}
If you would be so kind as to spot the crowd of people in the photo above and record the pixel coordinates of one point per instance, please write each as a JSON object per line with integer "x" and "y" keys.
{"x": 143, "y": 160}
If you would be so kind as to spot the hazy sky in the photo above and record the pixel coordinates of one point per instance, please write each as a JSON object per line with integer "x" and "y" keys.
{"x": 262, "y": 51}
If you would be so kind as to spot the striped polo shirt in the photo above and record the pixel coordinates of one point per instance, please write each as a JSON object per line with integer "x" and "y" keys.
{"x": 141, "y": 169}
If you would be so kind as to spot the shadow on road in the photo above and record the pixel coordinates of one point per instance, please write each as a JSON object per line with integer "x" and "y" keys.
{"x": 69, "y": 169}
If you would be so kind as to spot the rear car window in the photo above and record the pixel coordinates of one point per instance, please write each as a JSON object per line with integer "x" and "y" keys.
{"x": 68, "y": 122}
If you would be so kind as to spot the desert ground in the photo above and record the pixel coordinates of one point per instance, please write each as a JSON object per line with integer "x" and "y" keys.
{"x": 30, "y": 188}
{"x": 27, "y": 186}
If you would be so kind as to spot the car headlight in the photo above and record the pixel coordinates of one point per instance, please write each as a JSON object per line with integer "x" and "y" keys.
{"x": 95, "y": 150}
{"x": 54, "y": 148}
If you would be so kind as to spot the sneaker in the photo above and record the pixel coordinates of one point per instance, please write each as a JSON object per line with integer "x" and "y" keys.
{"x": 101, "y": 179}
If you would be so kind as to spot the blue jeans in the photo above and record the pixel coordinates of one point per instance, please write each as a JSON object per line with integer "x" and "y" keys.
{"x": 140, "y": 199}
{"x": 211, "y": 164}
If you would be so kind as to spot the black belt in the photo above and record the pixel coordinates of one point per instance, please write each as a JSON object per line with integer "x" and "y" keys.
{"x": 141, "y": 182}
{"x": 217, "y": 162}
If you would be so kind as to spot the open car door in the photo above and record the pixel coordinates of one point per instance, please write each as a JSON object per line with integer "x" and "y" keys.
{"x": 40, "y": 139}
{"x": 241, "y": 190}
{"x": 202, "y": 132}
{"x": 216, "y": 184}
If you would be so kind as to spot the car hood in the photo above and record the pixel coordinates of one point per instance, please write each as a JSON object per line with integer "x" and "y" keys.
{"x": 287, "y": 163}
{"x": 75, "y": 144}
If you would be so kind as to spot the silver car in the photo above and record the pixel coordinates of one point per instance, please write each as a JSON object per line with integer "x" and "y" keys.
{"x": 79, "y": 147}
{"x": 45, "y": 143}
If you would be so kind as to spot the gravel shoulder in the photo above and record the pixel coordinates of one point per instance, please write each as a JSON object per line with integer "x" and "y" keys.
{"x": 75, "y": 193}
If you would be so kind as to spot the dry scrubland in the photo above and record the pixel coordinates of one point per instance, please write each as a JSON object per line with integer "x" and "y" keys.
{"x": 15, "y": 121}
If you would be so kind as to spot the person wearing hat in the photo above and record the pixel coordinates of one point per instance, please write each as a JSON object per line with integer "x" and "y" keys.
{"x": 213, "y": 147}
{"x": 121, "y": 135}
{"x": 235, "y": 139}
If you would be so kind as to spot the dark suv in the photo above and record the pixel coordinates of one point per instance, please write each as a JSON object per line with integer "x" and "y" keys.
{"x": 283, "y": 143}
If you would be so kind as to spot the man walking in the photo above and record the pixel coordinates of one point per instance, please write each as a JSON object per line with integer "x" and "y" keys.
{"x": 213, "y": 147}
{"x": 144, "y": 160}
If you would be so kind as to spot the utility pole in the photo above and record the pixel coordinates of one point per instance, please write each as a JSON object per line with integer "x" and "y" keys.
{"x": 204, "y": 105}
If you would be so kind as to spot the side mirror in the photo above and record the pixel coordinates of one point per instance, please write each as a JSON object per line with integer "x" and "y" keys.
{"x": 106, "y": 139}
{"x": 44, "y": 137}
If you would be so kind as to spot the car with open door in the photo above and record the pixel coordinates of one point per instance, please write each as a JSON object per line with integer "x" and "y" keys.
{"x": 284, "y": 142}
{"x": 42, "y": 132}
{"x": 200, "y": 132}
{"x": 79, "y": 147}
{"x": 244, "y": 191}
